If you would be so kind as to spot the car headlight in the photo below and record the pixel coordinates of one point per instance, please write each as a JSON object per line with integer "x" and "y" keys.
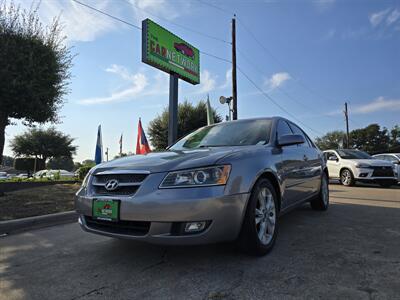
{"x": 217, "y": 175}
{"x": 364, "y": 166}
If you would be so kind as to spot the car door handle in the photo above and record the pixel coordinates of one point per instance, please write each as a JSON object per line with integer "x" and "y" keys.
{"x": 305, "y": 158}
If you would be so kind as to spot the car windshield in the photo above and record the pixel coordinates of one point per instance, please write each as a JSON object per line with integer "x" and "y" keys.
{"x": 241, "y": 133}
{"x": 353, "y": 154}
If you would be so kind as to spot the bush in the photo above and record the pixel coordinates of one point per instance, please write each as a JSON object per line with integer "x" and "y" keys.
{"x": 82, "y": 171}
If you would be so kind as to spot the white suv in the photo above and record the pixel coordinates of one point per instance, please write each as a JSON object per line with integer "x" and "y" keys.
{"x": 351, "y": 165}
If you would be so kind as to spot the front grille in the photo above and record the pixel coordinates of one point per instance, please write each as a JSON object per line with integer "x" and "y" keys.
{"x": 122, "y": 190}
{"x": 122, "y": 178}
{"x": 128, "y": 183}
{"x": 136, "y": 228}
{"x": 383, "y": 172}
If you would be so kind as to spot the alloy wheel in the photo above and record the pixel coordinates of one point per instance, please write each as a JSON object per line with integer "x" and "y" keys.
{"x": 265, "y": 216}
{"x": 346, "y": 177}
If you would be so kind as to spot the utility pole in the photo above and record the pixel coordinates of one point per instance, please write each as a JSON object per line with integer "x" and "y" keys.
{"x": 107, "y": 153}
{"x": 173, "y": 109}
{"x": 234, "y": 82}
{"x": 346, "y": 115}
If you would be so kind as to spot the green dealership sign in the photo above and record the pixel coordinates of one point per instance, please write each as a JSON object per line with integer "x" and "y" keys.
{"x": 167, "y": 52}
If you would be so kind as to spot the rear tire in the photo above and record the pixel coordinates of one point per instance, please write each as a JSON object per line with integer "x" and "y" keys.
{"x": 346, "y": 177}
{"x": 260, "y": 224}
{"x": 322, "y": 201}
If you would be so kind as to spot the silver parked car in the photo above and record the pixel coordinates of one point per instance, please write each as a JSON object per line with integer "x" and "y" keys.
{"x": 393, "y": 158}
{"x": 225, "y": 182}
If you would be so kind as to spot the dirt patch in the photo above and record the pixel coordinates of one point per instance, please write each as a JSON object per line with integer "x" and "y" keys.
{"x": 37, "y": 201}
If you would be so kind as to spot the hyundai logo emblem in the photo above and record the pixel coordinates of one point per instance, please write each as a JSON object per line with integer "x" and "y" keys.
{"x": 111, "y": 185}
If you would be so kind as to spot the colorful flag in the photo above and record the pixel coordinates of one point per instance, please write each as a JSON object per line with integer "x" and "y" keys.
{"x": 120, "y": 145}
{"x": 210, "y": 118}
{"x": 142, "y": 146}
{"x": 98, "y": 157}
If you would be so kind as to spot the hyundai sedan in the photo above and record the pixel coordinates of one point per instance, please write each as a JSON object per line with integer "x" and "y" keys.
{"x": 225, "y": 182}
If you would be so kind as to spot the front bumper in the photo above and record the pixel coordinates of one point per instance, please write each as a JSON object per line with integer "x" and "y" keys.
{"x": 367, "y": 175}
{"x": 160, "y": 211}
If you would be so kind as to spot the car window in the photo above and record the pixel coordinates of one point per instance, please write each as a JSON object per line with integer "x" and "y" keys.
{"x": 298, "y": 131}
{"x": 391, "y": 158}
{"x": 283, "y": 129}
{"x": 238, "y": 133}
{"x": 329, "y": 155}
{"x": 353, "y": 154}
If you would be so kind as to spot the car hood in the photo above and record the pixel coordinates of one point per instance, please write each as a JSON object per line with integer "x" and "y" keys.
{"x": 169, "y": 160}
{"x": 372, "y": 162}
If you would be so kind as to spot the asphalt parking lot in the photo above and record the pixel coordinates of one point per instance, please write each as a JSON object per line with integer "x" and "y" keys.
{"x": 350, "y": 251}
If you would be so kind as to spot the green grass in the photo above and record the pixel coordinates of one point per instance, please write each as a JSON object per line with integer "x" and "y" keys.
{"x": 37, "y": 201}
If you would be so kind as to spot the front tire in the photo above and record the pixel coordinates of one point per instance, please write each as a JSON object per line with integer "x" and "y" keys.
{"x": 260, "y": 225}
{"x": 346, "y": 177}
{"x": 322, "y": 201}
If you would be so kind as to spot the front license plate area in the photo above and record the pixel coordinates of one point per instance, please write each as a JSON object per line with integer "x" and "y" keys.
{"x": 107, "y": 210}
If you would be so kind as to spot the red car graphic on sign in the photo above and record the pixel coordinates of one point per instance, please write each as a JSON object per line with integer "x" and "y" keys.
{"x": 184, "y": 49}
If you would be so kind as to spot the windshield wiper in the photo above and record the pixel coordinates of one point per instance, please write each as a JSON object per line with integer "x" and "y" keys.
{"x": 207, "y": 146}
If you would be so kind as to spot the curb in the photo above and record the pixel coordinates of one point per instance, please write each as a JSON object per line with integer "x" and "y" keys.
{"x": 24, "y": 224}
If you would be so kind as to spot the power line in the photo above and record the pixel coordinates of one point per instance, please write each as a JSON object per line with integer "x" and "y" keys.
{"x": 139, "y": 28}
{"x": 208, "y": 54}
{"x": 179, "y": 25}
{"x": 256, "y": 67}
{"x": 276, "y": 103}
{"x": 216, "y": 57}
{"x": 107, "y": 14}
{"x": 278, "y": 61}
{"x": 217, "y": 7}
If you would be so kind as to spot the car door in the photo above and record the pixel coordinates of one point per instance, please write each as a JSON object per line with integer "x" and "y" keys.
{"x": 290, "y": 168}
{"x": 311, "y": 167}
{"x": 333, "y": 163}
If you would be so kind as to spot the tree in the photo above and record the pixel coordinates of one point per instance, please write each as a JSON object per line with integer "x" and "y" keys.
{"x": 63, "y": 163}
{"x": 8, "y": 161}
{"x": 190, "y": 118}
{"x": 331, "y": 140}
{"x": 394, "y": 143}
{"x": 370, "y": 139}
{"x": 43, "y": 144}
{"x": 34, "y": 68}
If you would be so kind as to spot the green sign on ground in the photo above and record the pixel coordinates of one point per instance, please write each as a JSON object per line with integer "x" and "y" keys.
{"x": 167, "y": 52}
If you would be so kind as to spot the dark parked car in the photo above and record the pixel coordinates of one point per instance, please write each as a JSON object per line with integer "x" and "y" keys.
{"x": 225, "y": 182}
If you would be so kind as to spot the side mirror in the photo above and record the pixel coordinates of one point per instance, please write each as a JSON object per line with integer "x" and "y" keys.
{"x": 290, "y": 139}
{"x": 333, "y": 158}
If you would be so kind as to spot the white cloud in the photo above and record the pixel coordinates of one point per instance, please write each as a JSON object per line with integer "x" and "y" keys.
{"x": 79, "y": 23}
{"x": 277, "y": 79}
{"x": 393, "y": 17}
{"x": 162, "y": 8}
{"x": 376, "y": 18}
{"x": 228, "y": 79}
{"x": 120, "y": 71}
{"x": 138, "y": 85}
{"x": 207, "y": 82}
{"x": 378, "y": 104}
{"x": 83, "y": 24}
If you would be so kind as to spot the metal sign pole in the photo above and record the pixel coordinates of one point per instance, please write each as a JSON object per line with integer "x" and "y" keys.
{"x": 173, "y": 109}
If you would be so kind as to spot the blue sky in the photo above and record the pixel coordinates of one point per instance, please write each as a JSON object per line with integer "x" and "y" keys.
{"x": 314, "y": 56}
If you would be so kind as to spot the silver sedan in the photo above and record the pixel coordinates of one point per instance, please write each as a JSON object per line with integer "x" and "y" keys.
{"x": 225, "y": 182}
